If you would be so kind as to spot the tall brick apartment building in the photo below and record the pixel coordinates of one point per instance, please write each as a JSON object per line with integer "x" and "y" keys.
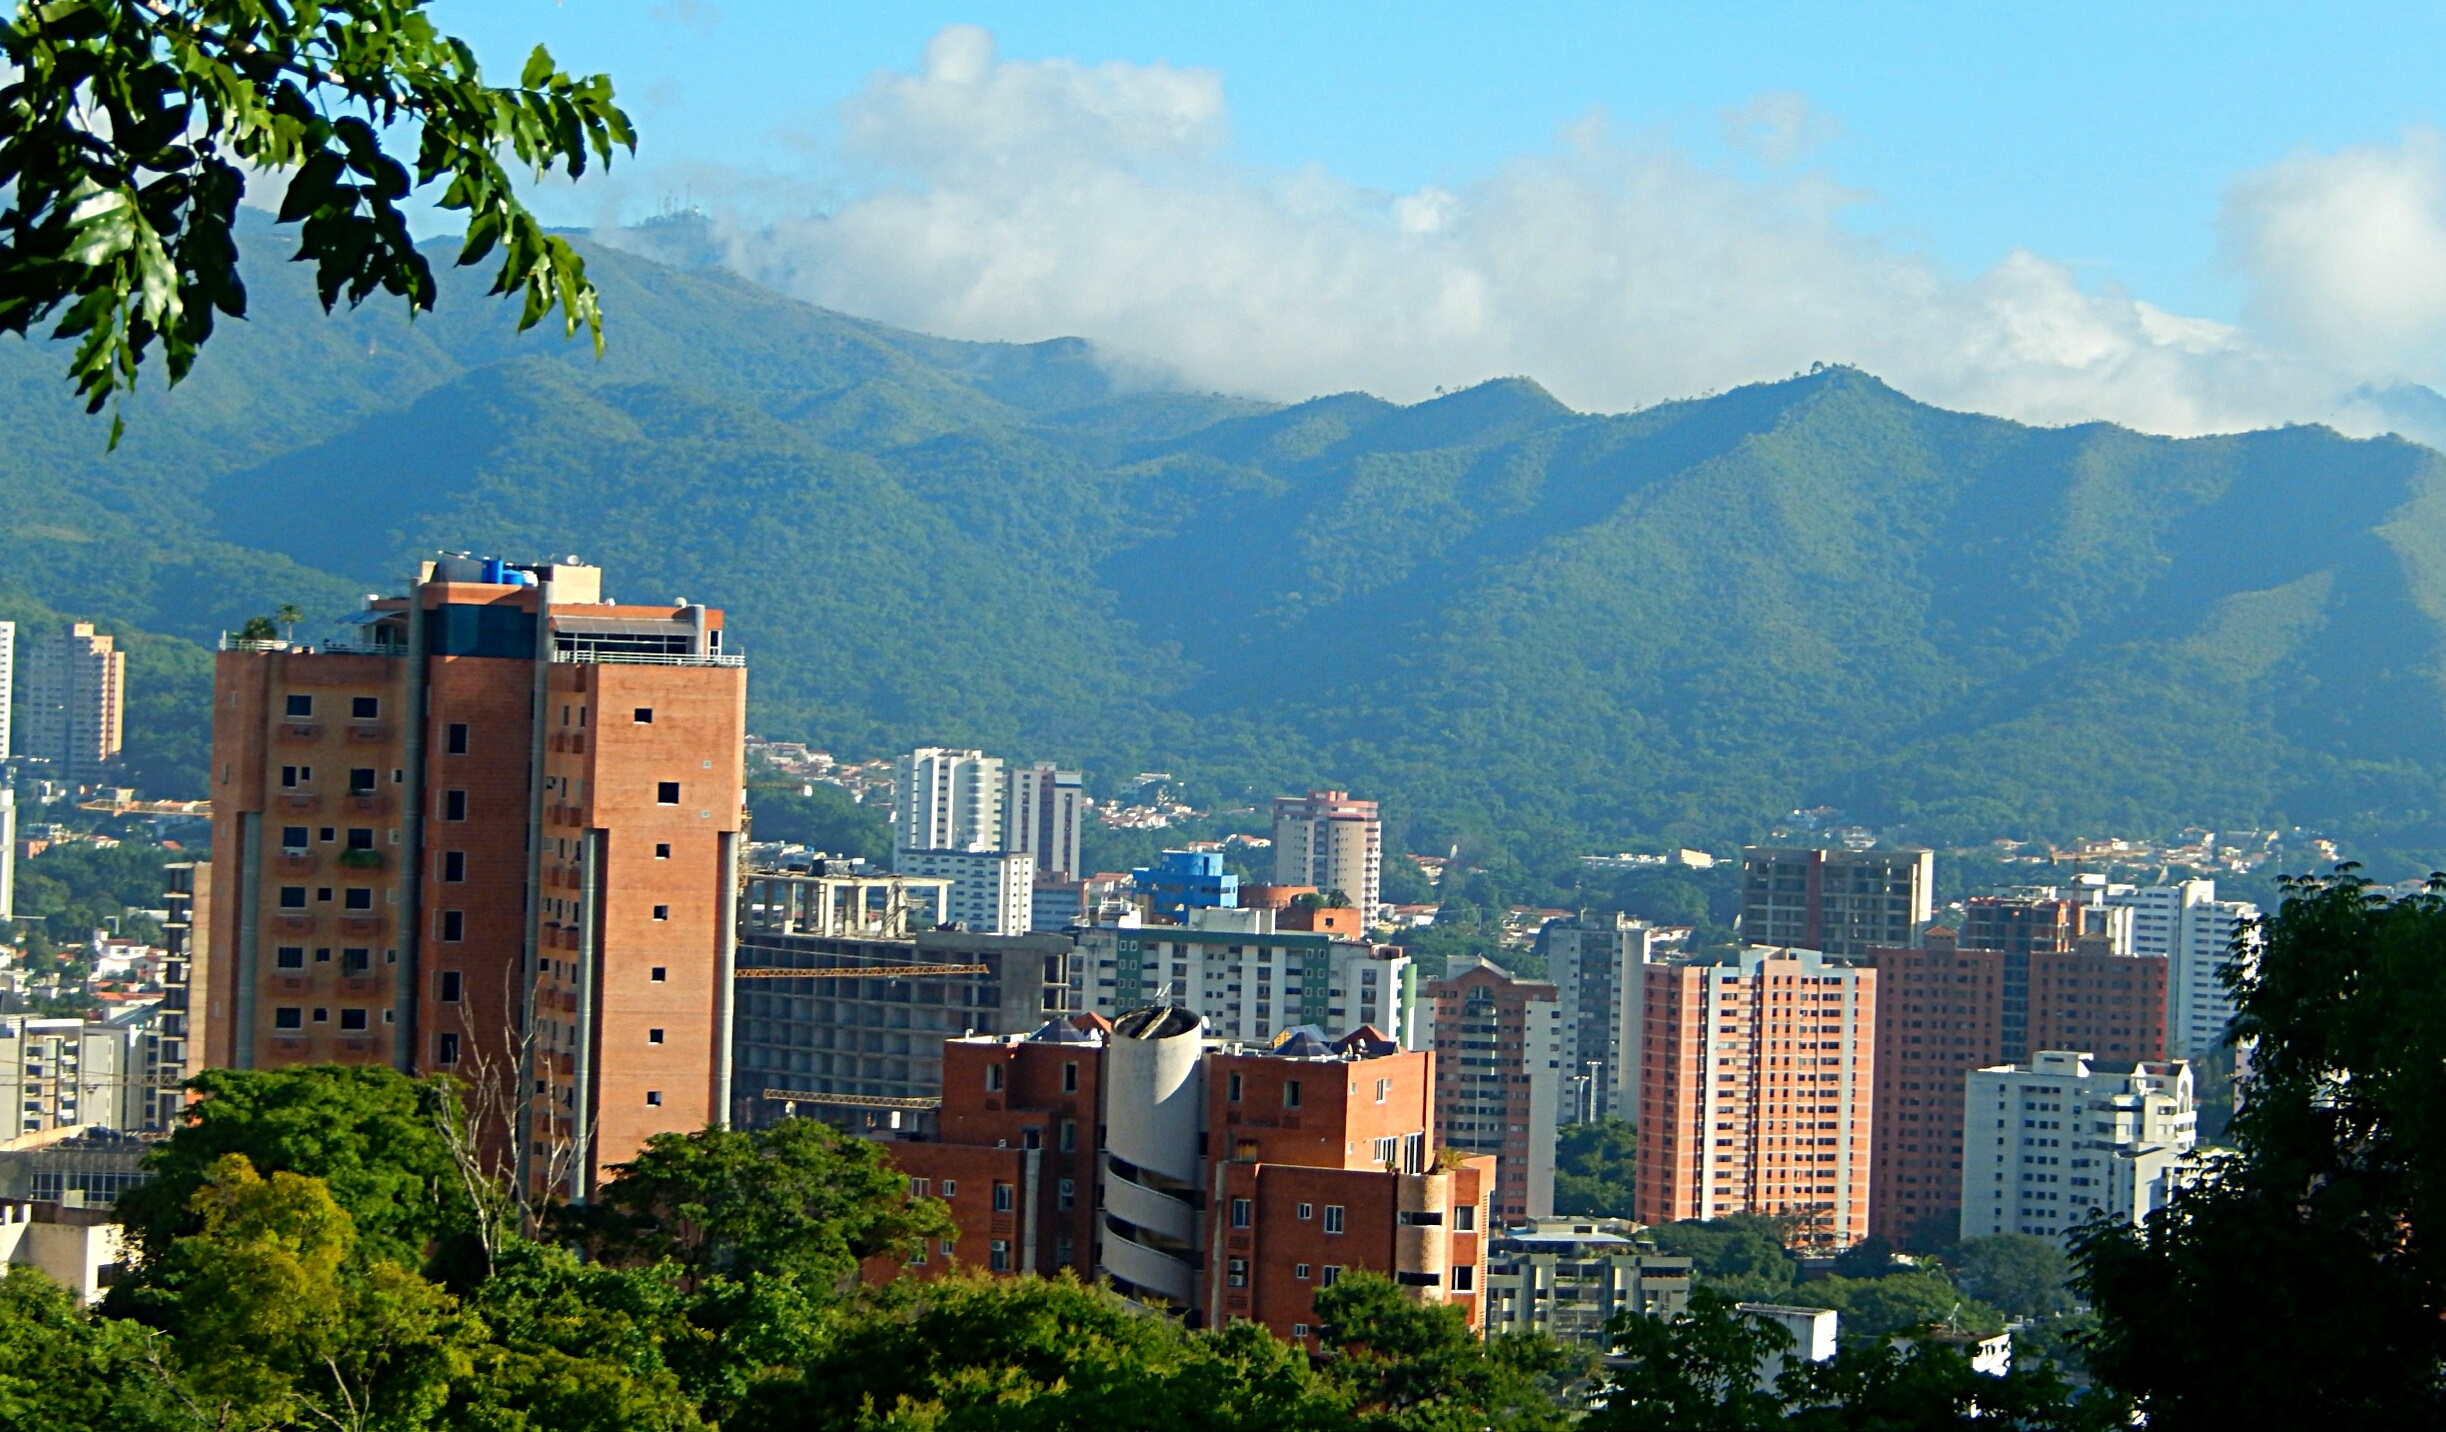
{"x": 1754, "y": 1091}
{"x": 495, "y": 834}
{"x": 1948, "y": 1008}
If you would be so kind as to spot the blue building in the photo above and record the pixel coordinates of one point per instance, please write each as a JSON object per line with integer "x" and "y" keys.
{"x": 1185, "y": 880}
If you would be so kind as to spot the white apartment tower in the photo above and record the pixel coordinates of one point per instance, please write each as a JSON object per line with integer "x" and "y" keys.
{"x": 1252, "y": 980}
{"x": 76, "y": 689}
{"x": 1332, "y": 842}
{"x": 8, "y": 684}
{"x": 947, "y": 800}
{"x": 2047, "y": 1143}
{"x": 1042, "y": 810}
{"x": 2194, "y": 931}
{"x": 1596, "y": 967}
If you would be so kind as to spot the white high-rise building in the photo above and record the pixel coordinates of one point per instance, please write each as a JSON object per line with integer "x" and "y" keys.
{"x": 1042, "y": 810}
{"x": 1332, "y": 842}
{"x": 947, "y": 800}
{"x": 992, "y": 892}
{"x": 1596, "y": 968}
{"x": 2194, "y": 931}
{"x": 2046, "y": 1144}
{"x": 8, "y": 684}
{"x": 59, "y": 1073}
{"x": 8, "y": 852}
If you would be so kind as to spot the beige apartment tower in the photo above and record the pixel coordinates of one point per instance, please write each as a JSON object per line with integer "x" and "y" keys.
{"x": 1327, "y": 840}
{"x": 75, "y": 700}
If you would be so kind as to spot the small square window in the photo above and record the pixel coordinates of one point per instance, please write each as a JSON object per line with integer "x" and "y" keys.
{"x": 327, "y": 835}
{"x": 322, "y": 1016}
{"x": 653, "y": 1036}
{"x": 288, "y": 1016}
{"x": 1333, "y": 1274}
{"x": 360, "y": 837}
{"x": 1300, "y": 1271}
{"x": 291, "y": 775}
{"x": 951, "y": 1189}
{"x": 654, "y": 1097}
{"x": 300, "y": 705}
{"x": 364, "y": 708}
{"x": 454, "y": 738}
{"x": 662, "y": 850}
{"x": 352, "y": 1019}
{"x": 362, "y": 780}
{"x": 662, "y": 912}
{"x": 290, "y": 957}
{"x": 1005, "y": 1198}
{"x": 666, "y": 793}
{"x": 322, "y": 894}
{"x": 357, "y": 898}
{"x": 999, "y": 1255}
{"x": 322, "y": 955}
{"x": 1333, "y": 1218}
{"x": 658, "y": 974}
{"x": 1300, "y": 1330}
{"x": 1307, "y": 1211}
{"x": 1243, "y": 1212}
{"x": 293, "y": 838}
{"x": 292, "y": 897}
{"x": 645, "y": 715}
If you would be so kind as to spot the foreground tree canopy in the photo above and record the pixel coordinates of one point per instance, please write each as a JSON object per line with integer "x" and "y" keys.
{"x": 130, "y": 127}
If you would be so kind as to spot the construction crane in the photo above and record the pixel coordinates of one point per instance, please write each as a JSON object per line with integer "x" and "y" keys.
{"x": 861, "y": 972}
{"x": 850, "y": 1101}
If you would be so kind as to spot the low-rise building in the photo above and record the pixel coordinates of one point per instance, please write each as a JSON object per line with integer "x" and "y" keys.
{"x": 1184, "y": 880}
{"x": 1812, "y": 1331}
{"x": 1566, "y": 1277}
{"x": 2048, "y": 1143}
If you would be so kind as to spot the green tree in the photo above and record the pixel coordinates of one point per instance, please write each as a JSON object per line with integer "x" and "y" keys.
{"x": 2321, "y": 1212}
{"x": 1744, "y": 1251}
{"x": 130, "y": 126}
{"x": 1406, "y": 1364}
{"x": 1695, "y": 1373}
{"x": 279, "y": 1320}
{"x": 1899, "y": 1302}
{"x": 2015, "y": 1272}
{"x": 972, "y": 1352}
{"x": 818, "y": 816}
{"x": 578, "y": 1347}
{"x": 369, "y": 1134}
{"x": 800, "y": 1199}
{"x": 1594, "y": 1168}
{"x": 63, "y": 1369}
{"x": 1875, "y": 1386}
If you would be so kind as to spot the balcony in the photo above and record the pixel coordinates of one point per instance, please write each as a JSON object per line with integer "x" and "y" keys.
{"x": 297, "y": 732}
{"x": 368, "y": 733}
{"x": 294, "y": 923}
{"x": 366, "y": 803}
{"x": 300, "y": 801}
{"x": 291, "y": 984}
{"x": 296, "y": 862}
{"x": 361, "y": 923}
{"x": 361, "y": 858}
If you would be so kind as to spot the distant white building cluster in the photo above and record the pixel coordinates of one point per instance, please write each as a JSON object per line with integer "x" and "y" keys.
{"x": 2049, "y": 1143}
{"x": 1000, "y": 834}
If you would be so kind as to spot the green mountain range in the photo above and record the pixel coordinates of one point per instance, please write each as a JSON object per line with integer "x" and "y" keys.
{"x": 1522, "y": 627}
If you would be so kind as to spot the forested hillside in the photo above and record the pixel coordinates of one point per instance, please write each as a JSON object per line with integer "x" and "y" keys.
{"x": 1525, "y": 628}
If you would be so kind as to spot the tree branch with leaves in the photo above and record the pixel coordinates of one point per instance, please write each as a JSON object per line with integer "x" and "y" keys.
{"x": 130, "y": 127}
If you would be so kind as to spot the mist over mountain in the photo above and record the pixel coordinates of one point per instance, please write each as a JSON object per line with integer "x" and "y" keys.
{"x": 1519, "y": 625}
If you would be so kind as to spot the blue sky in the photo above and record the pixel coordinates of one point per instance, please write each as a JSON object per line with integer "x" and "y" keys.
{"x": 2108, "y": 140}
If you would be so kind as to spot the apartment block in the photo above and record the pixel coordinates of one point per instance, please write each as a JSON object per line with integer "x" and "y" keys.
{"x": 494, "y": 832}
{"x": 1013, "y": 1153}
{"x": 75, "y": 701}
{"x": 2195, "y": 933}
{"x": 1568, "y": 1277}
{"x": 2050, "y": 1141}
{"x": 8, "y": 849}
{"x": 1599, "y": 971}
{"x": 1946, "y": 1009}
{"x": 944, "y": 799}
{"x": 1498, "y": 1044}
{"x": 1327, "y": 840}
{"x": 1044, "y": 808}
{"x": 989, "y": 892}
{"x": 1255, "y": 978}
{"x": 1757, "y": 1091}
{"x": 1839, "y": 902}
{"x": 63, "y": 1073}
{"x": 843, "y": 1010}
{"x": 178, "y": 1032}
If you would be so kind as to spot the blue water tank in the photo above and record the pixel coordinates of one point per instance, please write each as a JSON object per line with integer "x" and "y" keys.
{"x": 492, "y": 570}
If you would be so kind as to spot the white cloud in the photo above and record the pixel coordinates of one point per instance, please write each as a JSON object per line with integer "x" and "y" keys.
{"x": 2347, "y": 251}
{"x": 1024, "y": 199}
{"x": 1778, "y": 127}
